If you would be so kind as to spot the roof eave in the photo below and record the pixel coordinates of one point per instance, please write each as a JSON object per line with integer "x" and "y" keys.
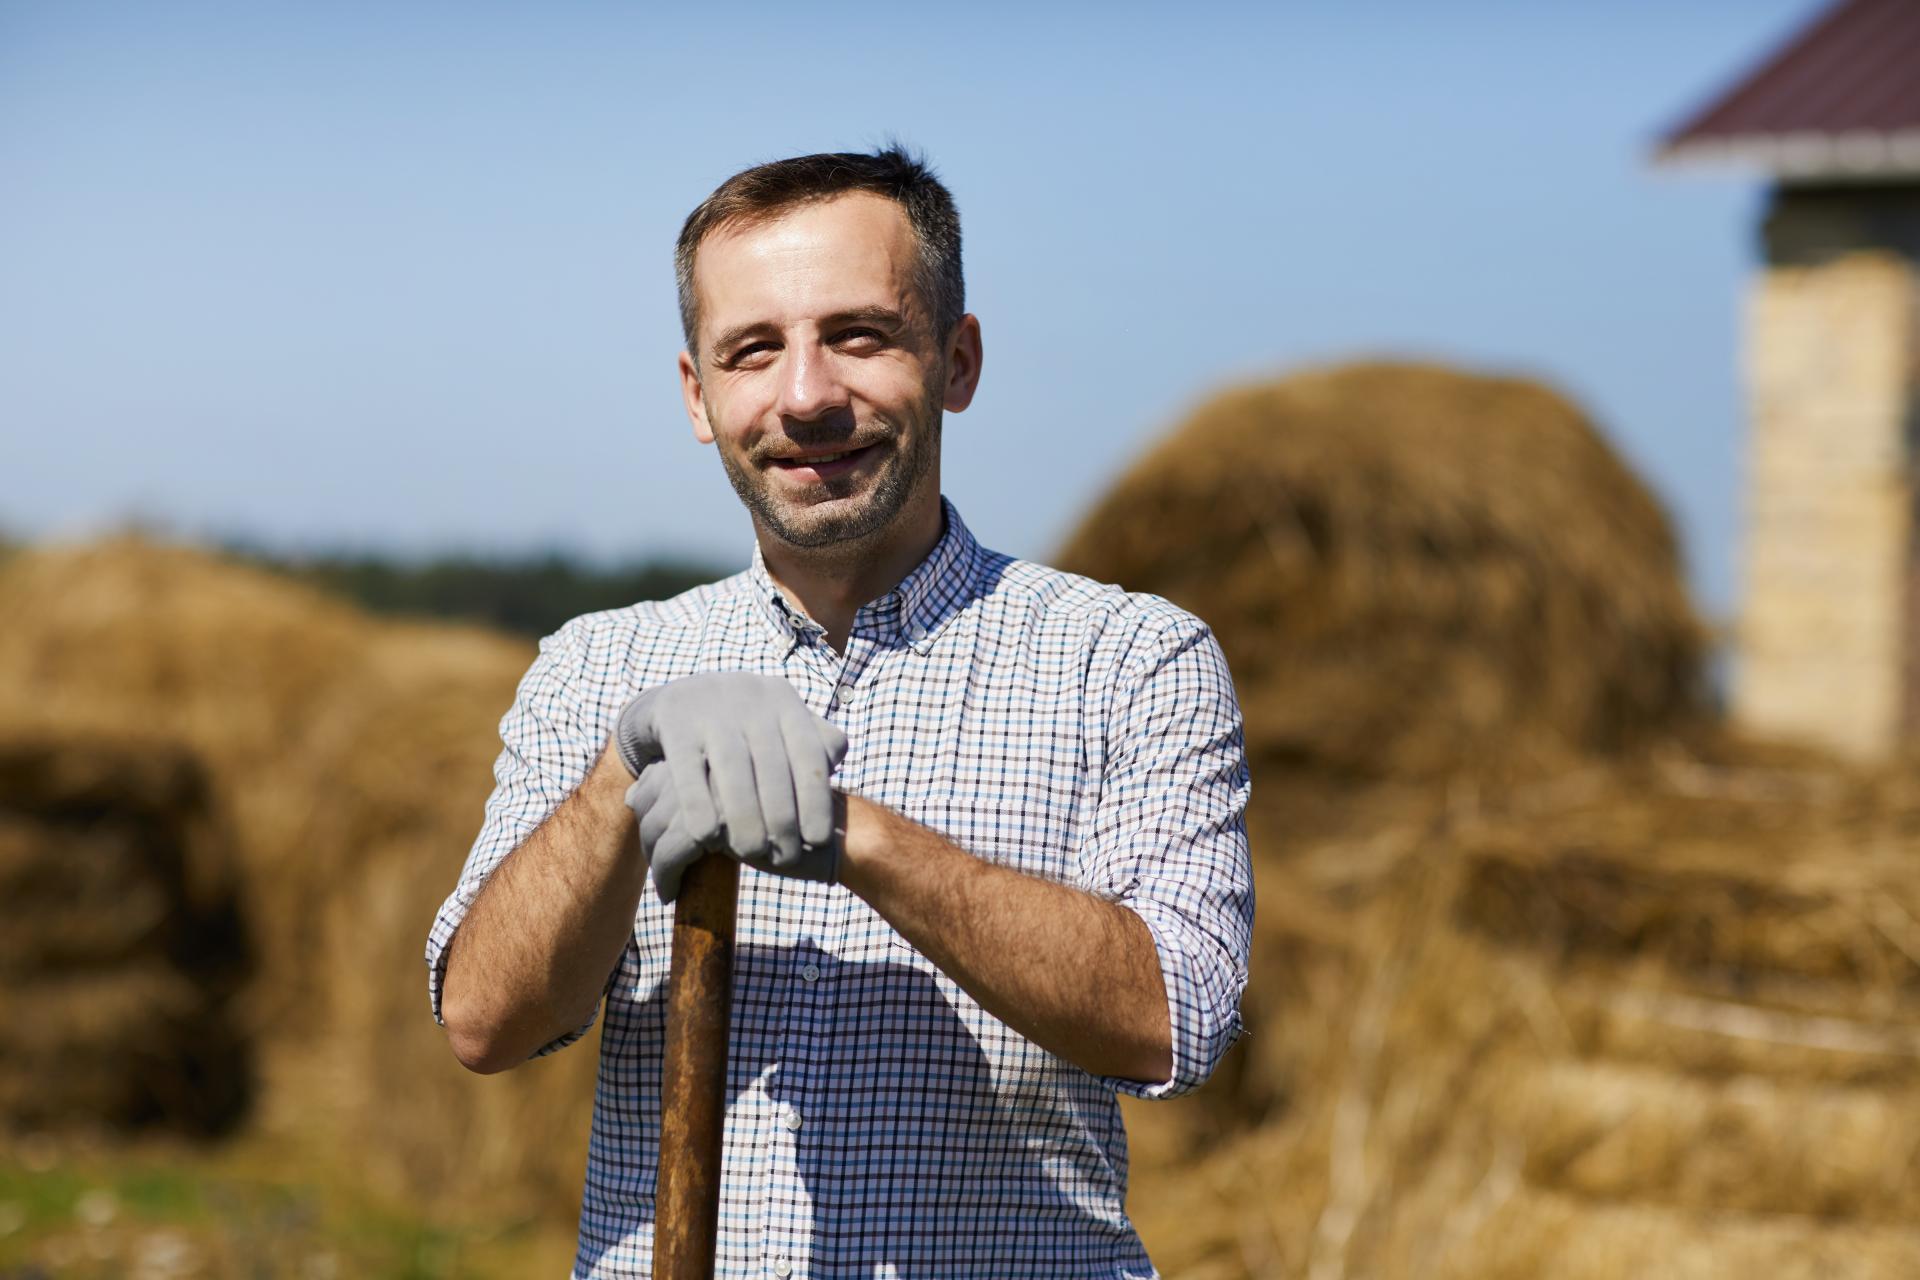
{"x": 1855, "y": 156}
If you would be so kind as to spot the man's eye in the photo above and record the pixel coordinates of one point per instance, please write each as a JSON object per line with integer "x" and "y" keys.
{"x": 749, "y": 353}
{"x": 859, "y": 338}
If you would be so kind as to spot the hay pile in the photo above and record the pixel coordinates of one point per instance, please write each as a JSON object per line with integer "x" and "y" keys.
{"x": 350, "y": 758}
{"x": 1661, "y": 1021}
{"x": 1549, "y": 980}
{"x": 1412, "y": 570}
{"x": 123, "y": 946}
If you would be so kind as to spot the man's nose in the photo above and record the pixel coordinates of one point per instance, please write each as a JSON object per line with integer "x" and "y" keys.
{"x": 812, "y": 387}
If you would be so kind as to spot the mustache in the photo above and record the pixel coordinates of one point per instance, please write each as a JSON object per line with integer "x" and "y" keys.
{"x": 816, "y": 436}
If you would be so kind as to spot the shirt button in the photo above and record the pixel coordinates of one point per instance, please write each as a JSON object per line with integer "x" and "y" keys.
{"x": 811, "y": 972}
{"x": 781, "y": 1267}
{"x": 792, "y": 1119}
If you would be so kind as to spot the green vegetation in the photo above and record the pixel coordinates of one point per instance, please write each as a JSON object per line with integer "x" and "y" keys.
{"x": 237, "y": 1214}
{"x": 531, "y": 595}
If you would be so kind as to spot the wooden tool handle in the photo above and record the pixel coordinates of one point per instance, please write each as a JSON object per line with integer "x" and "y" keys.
{"x": 693, "y": 1079}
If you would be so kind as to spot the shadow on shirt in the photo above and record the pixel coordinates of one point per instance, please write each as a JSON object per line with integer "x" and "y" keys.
{"x": 916, "y": 1153}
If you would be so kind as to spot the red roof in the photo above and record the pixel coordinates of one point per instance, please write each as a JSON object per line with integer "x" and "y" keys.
{"x": 1841, "y": 99}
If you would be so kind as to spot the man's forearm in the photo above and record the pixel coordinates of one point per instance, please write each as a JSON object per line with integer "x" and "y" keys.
{"x": 1077, "y": 975}
{"x": 531, "y": 959}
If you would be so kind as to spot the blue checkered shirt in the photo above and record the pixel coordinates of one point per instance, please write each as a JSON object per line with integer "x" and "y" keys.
{"x": 879, "y": 1121}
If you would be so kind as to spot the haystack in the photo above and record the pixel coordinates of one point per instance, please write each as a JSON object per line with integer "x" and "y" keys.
{"x": 1412, "y": 570}
{"x": 1548, "y": 980}
{"x": 352, "y": 757}
{"x": 123, "y": 945}
{"x": 1656, "y": 1020}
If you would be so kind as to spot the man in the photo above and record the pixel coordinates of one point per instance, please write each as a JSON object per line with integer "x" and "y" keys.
{"x": 1026, "y": 886}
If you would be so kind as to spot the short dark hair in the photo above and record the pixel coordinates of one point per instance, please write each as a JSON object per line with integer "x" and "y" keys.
{"x": 768, "y": 189}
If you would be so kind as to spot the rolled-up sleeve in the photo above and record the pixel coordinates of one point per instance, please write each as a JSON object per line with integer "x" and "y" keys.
{"x": 1169, "y": 839}
{"x": 545, "y": 753}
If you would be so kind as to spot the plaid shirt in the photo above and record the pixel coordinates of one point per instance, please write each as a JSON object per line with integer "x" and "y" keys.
{"x": 879, "y": 1121}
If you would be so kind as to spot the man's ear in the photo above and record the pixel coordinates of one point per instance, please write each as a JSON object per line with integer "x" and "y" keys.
{"x": 696, "y": 397}
{"x": 963, "y": 364}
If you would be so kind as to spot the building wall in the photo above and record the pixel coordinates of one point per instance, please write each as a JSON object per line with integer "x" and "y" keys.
{"x": 1833, "y": 349}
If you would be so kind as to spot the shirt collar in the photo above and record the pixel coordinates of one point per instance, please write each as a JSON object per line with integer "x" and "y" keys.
{"x": 912, "y": 614}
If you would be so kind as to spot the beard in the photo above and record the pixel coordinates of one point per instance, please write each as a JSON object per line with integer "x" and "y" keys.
{"x": 847, "y": 514}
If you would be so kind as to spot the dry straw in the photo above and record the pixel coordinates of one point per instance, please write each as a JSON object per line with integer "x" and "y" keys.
{"x": 123, "y": 945}
{"x": 1638, "y": 1027}
{"x": 348, "y": 759}
{"x": 1548, "y": 980}
{"x": 1411, "y": 568}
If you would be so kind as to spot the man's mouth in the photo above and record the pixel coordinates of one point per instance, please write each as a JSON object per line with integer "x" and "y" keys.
{"x": 824, "y": 464}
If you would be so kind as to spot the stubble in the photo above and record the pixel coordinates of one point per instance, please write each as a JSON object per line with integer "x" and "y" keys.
{"x": 824, "y": 524}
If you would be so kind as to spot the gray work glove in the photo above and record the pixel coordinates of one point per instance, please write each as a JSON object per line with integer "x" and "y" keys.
{"x": 750, "y": 762}
{"x": 654, "y": 798}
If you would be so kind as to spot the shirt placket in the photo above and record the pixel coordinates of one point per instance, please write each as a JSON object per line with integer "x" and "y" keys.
{"x": 829, "y": 683}
{"x": 803, "y": 1107}
{"x": 798, "y": 1094}
{"x": 849, "y": 682}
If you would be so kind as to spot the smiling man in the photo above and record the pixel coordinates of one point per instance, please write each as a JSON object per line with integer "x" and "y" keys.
{"x": 993, "y": 811}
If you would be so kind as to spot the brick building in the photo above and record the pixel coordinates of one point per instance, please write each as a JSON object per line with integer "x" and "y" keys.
{"x": 1828, "y": 640}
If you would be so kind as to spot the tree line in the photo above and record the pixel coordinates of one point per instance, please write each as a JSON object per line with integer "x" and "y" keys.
{"x": 532, "y": 595}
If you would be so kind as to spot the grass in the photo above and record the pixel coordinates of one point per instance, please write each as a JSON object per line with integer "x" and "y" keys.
{"x": 238, "y": 1213}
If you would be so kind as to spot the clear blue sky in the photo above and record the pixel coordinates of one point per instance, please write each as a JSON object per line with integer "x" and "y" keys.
{"x": 397, "y": 274}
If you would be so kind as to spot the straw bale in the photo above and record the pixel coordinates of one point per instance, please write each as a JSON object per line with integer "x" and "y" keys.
{"x": 1705, "y": 1037}
{"x": 124, "y": 945}
{"x": 129, "y": 1048}
{"x": 124, "y": 638}
{"x": 1644, "y": 1020}
{"x": 1412, "y": 570}
{"x": 1747, "y": 1144}
{"x": 1542, "y": 1235}
{"x": 351, "y": 757}
{"x": 1737, "y": 931}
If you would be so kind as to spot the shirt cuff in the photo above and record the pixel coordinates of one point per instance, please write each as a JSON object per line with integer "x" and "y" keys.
{"x": 1203, "y": 1001}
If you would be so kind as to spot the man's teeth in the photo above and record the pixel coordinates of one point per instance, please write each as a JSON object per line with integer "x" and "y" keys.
{"x": 826, "y": 457}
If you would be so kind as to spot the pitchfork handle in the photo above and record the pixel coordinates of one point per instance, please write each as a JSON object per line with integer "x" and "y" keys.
{"x": 693, "y": 1078}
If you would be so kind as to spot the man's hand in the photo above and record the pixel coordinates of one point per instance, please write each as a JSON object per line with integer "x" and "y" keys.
{"x": 748, "y": 760}
{"x": 669, "y": 849}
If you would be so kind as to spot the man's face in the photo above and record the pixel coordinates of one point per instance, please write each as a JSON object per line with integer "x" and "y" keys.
{"x": 821, "y": 379}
